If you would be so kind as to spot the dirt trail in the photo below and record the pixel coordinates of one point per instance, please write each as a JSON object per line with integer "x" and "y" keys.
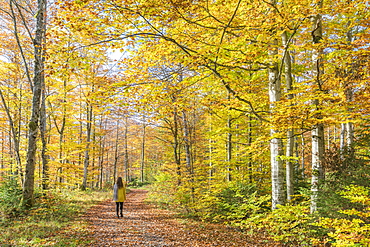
{"x": 145, "y": 225}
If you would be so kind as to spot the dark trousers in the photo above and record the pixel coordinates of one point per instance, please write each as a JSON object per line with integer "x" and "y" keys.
{"x": 119, "y": 207}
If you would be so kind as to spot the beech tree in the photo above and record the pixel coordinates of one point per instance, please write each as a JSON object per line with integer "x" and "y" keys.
{"x": 37, "y": 87}
{"x": 276, "y": 144}
{"x": 318, "y": 128}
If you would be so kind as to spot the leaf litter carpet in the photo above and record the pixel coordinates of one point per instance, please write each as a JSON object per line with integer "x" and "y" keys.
{"x": 144, "y": 224}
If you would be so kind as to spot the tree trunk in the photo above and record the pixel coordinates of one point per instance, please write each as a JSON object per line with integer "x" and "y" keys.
{"x": 318, "y": 129}
{"x": 116, "y": 153}
{"x": 99, "y": 183}
{"x": 290, "y": 132}
{"x": 61, "y": 133}
{"x": 348, "y": 126}
{"x": 142, "y": 166}
{"x": 126, "y": 163}
{"x": 44, "y": 156}
{"x": 276, "y": 145}
{"x": 188, "y": 153}
{"x": 210, "y": 152}
{"x": 93, "y": 161}
{"x": 229, "y": 147}
{"x": 249, "y": 138}
{"x": 342, "y": 137}
{"x": 229, "y": 151}
{"x": 303, "y": 160}
{"x": 87, "y": 148}
{"x": 176, "y": 146}
{"x": 101, "y": 155}
{"x": 29, "y": 182}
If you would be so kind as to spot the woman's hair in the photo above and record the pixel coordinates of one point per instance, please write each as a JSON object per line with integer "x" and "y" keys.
{"x": 119, "y": 182}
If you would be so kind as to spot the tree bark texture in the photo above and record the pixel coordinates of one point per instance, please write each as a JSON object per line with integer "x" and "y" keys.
{"x": 28, "y": 188}
{"x": 276, "y": 145}
{"x": 317, "y": 132}
{"x": 43, "y": 130}
{"x": 290, "y": 132}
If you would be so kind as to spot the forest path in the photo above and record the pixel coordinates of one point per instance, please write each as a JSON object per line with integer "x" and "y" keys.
{"x": 143, "y": 224}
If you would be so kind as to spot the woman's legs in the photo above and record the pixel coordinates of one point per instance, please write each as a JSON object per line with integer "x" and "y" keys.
{"x": 119, "y": 208}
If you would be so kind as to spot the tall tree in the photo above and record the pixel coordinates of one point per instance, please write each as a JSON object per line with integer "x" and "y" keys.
{"x": 290, "y": 132}
{"x": 318, "y": 128}
{"x": 276, "y": 145}
{"x": 38, "y": 80}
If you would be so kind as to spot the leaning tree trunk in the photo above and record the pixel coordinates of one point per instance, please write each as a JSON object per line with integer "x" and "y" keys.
{"x": 28, "y": 189}
{"x": 318, "y": 129}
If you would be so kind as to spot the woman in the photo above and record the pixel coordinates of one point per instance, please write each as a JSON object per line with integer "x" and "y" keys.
{"x": 119, "y": 195}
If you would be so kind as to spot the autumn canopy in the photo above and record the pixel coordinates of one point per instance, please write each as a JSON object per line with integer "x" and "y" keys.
{"x": 228, "y": 108}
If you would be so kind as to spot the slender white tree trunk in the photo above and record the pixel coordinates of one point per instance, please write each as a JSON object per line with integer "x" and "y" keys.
{"x": 126, "y": 163}
{"x": 276, "y": 145}
{"x": 116, "y": 152}
{"x": 229, "y": 149}
{"x": 210, "y": 152}
{"x": 87, "y": 148}
{"x": 318, "y": 129}
{"x": 342, "y": 139}
{"x": 142, "y": 166}
{"x": 290, "y": 132}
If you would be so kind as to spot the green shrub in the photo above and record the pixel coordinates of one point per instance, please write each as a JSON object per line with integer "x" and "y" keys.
{"x": 232, "y": 204}
{"x": 136, "y": 183}
{"x": 354, "y": 228}
{"x": 11, "y": 195}
{"x": 241, "y": 201}
{"x": 48, "y": 205}
{"x": 290, "y": 224}
{"x": 162, "y": 190}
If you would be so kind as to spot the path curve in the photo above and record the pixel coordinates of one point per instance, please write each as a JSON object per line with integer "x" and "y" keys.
{"x": 146, "y": 225}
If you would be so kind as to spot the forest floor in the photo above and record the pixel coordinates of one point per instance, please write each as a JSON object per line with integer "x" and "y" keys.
{"x": 144, "y": 224}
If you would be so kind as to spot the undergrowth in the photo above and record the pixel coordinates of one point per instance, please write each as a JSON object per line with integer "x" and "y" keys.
{"x": 54, "y": 220}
